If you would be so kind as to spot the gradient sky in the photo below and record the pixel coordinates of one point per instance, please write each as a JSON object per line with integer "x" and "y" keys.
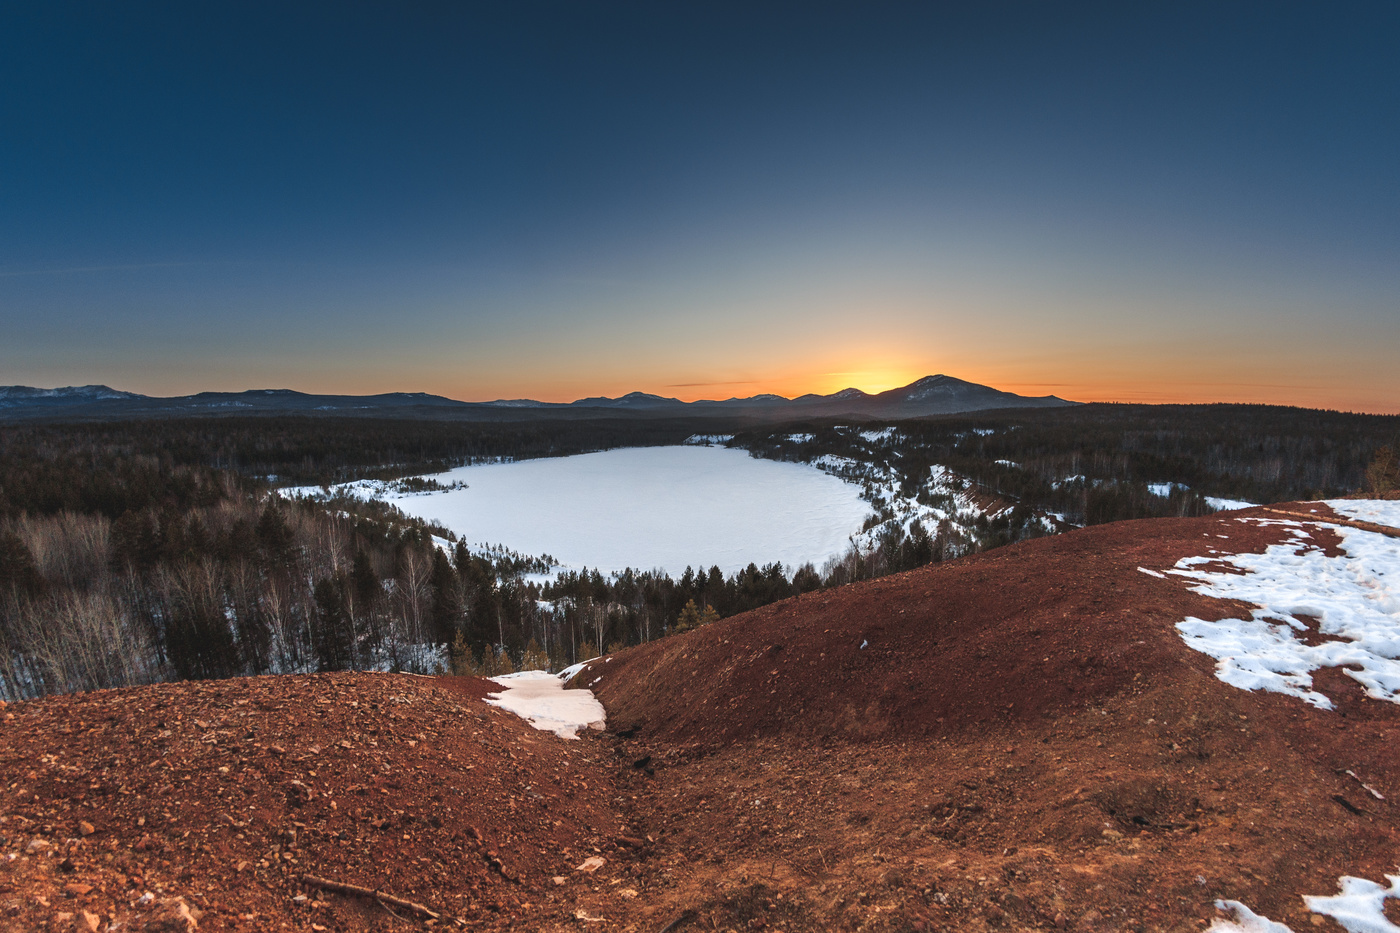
{"x": 1117, "y": 201}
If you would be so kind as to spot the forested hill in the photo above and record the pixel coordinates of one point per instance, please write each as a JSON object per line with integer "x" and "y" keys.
{"x": 1098, "y": 462}
{"x": 148, "y": 550}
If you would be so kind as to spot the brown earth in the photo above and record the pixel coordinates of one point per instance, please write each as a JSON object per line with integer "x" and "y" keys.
{"x": 1023, "y": 743}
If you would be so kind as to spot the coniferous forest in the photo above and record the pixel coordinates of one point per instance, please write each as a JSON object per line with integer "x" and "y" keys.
{"x": 141, "y": 551}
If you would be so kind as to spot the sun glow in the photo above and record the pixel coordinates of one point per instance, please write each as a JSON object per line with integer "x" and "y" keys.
{"x": 868, "y": 381}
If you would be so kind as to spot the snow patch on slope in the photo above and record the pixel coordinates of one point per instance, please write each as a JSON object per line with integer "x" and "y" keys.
{"x": 1359, "y": 908}
{"x": 539, "y": 697}
{"x": 1378, "y": 511}
{"x": 1355, "y": 599}
{"x": 1228, "y": 505}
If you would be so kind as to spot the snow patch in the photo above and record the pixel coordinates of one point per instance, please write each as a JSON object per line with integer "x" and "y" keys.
{"x": 1377, "y": 511}
{"x": 1359, "y": 908}
{"x": 1244, "y": 920}
{"x": 539, "y": 697}
{"x": 1228, "y": 505}
{"x": 1165, "y": 489}
{"x": 1355, "y": 599}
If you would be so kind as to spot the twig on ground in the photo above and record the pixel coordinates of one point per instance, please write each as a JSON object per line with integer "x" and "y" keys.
{"x": 340, "y": 887}
{"x": 1369, "y": 789}
{"x": 390, "y": 911}
{"x": 685, "y": 916}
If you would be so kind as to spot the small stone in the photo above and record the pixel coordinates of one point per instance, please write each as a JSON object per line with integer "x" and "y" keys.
{"x": 592, "y": 864}
{"x": 76, "y": 889}
{"x": 172, "y": 916}
{"x": 89, "y": 921}
{"x": 85, "y": 828}
{"x": 559, "y": 879}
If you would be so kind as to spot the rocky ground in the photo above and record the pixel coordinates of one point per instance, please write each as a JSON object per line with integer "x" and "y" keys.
{"x": 1023, "y": 742}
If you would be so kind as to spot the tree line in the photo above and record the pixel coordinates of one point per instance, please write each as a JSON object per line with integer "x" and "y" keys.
{"x": 1096, "y": 463}
{"x": 146, "y": 551}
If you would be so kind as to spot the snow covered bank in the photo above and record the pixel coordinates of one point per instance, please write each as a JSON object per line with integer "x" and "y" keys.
{"x": 1354, "y": 598}
{"x": 540, "y": 698}
{"x": 1379, "y": 511}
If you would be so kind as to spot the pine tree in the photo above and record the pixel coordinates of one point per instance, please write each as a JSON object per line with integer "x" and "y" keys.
{"x": 689, "y": 617}
{"x": 461, "y": 657}
{"x": 534, "y": 658}
{"x": 332, "y": 636}
{"x": 274, "y": 536}
{"x": 447, "y": 598}
{"x": 1383, "y": 474}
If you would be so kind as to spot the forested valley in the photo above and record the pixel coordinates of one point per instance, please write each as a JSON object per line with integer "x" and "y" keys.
{"x": 153, "y": 550}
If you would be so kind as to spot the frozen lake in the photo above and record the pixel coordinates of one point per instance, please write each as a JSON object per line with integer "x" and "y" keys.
{"x": 649, "y": 507}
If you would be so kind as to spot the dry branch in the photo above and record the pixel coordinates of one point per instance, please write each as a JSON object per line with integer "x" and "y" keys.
{"x": 341, "y": 887}
{"x": 1332, "y": 520}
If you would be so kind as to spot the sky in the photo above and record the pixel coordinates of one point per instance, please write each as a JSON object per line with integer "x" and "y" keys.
{"x": 1155, "y": 202}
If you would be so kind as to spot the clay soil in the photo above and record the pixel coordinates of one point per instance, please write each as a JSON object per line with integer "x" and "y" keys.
{"x": 1023, "y": 742}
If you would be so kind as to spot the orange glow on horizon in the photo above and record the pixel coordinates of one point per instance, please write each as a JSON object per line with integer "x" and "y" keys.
{"x": 1328, "y": 390}
{"x": 1341, "y": 398}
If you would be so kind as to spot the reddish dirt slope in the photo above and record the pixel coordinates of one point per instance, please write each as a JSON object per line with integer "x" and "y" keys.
{"x": 998, "y": 638}
{"x": 1024, "y": 744}
{"x": 1025, "y": 740}
{"x": 221, "y": 795}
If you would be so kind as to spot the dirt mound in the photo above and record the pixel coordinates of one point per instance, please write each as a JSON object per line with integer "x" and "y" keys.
{"x": 1016, "y": 741}
{"x": 218, "y": 797}
{"x": 1008, "y": 636}
{"x": 1024, "y": 741}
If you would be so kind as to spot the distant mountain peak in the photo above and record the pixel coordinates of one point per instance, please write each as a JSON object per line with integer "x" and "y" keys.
{"x": 931, "y": 395}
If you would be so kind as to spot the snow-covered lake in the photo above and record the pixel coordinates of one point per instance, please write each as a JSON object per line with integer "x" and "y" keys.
{"x": 648, "y": 507}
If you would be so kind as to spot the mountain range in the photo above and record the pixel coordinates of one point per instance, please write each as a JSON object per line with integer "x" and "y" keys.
{"x": 931, "y": 395}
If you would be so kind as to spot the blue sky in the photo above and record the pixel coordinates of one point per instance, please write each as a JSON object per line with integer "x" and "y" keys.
{"x": 1173, "y": 202}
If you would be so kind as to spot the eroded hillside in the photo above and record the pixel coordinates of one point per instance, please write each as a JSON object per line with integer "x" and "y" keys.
{"x": 1019, "y": 740}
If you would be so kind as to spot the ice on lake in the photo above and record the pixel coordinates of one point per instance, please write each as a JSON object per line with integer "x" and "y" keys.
{"x": 650, "y": 507}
